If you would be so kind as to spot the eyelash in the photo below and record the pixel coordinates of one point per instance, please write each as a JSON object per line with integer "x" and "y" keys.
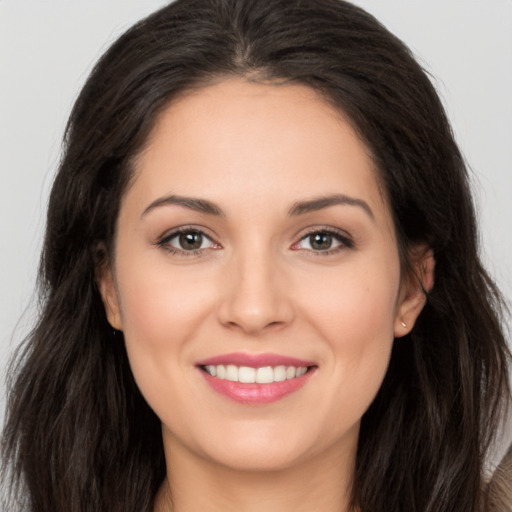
{"x": 344, "y": 240}
{"x": 164, "y": 241}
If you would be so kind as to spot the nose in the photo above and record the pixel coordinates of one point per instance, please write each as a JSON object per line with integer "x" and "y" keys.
{"x": 257, "y": 297}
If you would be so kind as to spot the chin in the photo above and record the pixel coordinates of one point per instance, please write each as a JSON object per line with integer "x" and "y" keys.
{"x": 260, "y": 449}
{"x": 268, "y": 458}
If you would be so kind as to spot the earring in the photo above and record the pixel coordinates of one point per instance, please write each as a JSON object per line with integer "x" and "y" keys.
{"x": 404, "y": 324}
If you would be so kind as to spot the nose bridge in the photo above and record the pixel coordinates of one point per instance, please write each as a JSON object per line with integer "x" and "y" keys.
{"x": 256, "y": 297}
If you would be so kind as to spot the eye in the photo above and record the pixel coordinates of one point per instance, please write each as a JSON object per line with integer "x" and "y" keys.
{"x": 187, "y": 241}
{"x": 323, "y": 241}
{"x": 318, "y": 241}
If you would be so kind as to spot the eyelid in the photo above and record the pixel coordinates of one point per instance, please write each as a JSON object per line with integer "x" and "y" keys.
{"x": 345, "y": 239}
{"x": 163, "y": 240}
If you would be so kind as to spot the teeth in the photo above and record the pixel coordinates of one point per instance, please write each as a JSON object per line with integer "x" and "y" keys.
{"x": 279, "y": 373}
{"x": 248, "y": 375}
{"x": 232, "y": 372}
{"x": 221, "y": 372}
{"x": 265, "y": 375}
{"x": 300, "y": 372}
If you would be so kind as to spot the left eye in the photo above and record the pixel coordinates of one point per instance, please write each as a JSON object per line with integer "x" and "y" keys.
{"x": 321, "y": 241}
{"x": 188, "y": 241}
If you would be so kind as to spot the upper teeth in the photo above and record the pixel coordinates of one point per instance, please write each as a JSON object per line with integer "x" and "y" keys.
{"x": 248, "y": 375}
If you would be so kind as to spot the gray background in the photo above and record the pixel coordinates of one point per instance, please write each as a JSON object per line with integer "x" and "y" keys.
{"x": 48, "y": 47}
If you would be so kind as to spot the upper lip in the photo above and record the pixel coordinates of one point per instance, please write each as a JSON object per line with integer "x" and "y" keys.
{"x": 255, "y": 360}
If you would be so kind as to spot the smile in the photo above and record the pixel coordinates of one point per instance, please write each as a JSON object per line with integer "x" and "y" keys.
{"x": 249, "y": 375}
{"x": 254, "y": 379}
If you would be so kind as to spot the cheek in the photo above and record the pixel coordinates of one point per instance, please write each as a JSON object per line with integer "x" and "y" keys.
{"x": 158, "y": 301}
{"x": 160, "y": 311}
{"x": 355, "y": 317}
{"x": 355, "y": 306}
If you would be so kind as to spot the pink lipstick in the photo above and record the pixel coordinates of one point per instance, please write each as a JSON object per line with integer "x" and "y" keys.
{"x": 256, "y": 378}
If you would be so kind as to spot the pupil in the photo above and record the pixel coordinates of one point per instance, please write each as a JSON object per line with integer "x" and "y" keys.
{"x": 320, "y": 241}
{"x": 191, "y": 241}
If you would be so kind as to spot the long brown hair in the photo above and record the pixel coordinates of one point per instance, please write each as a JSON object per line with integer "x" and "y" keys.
{"x": 499, "y": 491}
{"x": 79, "y": 436}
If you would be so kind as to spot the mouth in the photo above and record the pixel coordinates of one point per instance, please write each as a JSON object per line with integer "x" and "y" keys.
{"x": 260, "y": 375}
{"x": 256, "y": 379}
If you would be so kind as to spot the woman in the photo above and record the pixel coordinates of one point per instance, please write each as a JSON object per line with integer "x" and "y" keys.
{"x": 260, "y": 279}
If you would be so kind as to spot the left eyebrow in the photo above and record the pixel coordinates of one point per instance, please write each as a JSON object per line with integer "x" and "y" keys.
{"x": 192, "y": 203}
{"x": 319, "y": 203}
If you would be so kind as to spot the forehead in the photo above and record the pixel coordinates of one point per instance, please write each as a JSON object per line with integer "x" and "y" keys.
{"x": 237, "y": 141}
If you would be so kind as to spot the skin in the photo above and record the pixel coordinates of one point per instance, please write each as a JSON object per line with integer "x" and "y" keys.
{"x": 257, "y": 285}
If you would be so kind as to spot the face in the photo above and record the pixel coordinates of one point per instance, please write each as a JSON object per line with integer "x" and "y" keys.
{"x": 256, "y": 277}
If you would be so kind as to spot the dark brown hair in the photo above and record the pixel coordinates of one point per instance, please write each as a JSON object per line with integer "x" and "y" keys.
{"x": 499, "y": 491}
{"x": 79, "y": 436}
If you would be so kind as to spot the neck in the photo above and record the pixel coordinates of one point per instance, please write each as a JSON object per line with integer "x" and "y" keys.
{"x": 322, "y": 483}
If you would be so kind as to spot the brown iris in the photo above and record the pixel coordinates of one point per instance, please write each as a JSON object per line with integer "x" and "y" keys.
{"x": 320, "y": 241}
{"x": 191, "y": 240}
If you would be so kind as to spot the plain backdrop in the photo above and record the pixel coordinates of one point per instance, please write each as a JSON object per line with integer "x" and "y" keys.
{"x": 48, "y": 47}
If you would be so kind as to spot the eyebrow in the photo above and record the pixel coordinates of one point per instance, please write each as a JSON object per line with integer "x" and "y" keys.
{"x": 298, "y": 208}
{"x": 198, "y": 205}
{"x": 319, "y": 203}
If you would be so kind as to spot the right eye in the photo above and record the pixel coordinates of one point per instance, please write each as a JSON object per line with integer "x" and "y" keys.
{"x": 190, "y": 241}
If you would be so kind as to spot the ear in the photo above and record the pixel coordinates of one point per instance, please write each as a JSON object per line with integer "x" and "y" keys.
{"x": 413, "y": 290}
{"x": 108, "y": 292}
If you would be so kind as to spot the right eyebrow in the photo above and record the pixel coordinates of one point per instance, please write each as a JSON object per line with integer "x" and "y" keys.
{"x": 192, "y": 203}
{"x": 319, "y": 203}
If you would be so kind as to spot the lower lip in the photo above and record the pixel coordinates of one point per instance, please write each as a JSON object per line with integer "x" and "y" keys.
{"x": 256, "y": 393}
